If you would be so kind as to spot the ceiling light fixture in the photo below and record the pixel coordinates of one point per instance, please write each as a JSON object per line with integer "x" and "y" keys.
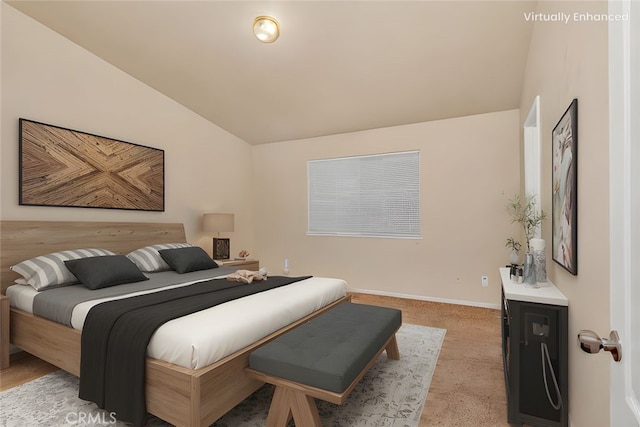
{"x": 266, "y": 29}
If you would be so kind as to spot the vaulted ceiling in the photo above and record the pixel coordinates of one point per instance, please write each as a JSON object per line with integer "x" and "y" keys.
{"x": 338, "y": 66}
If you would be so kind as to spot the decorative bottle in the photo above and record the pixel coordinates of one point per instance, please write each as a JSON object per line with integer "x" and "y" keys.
{"x": 285, "y": 270}
{"x": 529, "y": 271}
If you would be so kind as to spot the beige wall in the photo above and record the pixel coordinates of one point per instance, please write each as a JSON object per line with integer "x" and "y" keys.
{"x": 469, "y": 168}
{"x": 47, "y": 78}
{"x": 569, "y": 61}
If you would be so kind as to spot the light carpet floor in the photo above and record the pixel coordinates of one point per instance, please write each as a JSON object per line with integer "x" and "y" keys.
{"x": 391, "y": 394}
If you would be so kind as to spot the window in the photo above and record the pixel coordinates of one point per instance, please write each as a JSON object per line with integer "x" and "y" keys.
{"x": 369, "y": 196}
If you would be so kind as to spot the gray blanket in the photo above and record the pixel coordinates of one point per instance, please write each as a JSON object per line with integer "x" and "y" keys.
{"x": 57, "y": 304}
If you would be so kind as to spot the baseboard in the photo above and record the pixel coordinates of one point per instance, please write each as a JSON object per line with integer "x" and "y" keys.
{"x": 424, "y": 298}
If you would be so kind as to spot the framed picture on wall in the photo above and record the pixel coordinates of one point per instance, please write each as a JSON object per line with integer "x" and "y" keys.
{"x": 70, "y": 168}
{"x": 564, "y": 140}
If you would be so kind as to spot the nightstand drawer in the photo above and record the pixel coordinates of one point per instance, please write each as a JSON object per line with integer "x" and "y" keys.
{"x": 252, "y": 265}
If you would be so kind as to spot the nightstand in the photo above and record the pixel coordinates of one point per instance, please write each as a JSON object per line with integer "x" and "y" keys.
{"x": 4, "y": 331}
{"x": 249, "y": 264}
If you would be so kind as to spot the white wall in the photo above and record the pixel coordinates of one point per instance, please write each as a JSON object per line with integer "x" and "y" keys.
{"x": 569, "y": 61}
{"x": 469, "y": 169}
{"x": 47, "y": 78}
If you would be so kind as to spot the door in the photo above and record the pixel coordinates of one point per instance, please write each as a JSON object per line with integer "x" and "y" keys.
{"x": 624, "y": 93}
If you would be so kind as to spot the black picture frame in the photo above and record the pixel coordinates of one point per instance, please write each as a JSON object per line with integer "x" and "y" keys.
{"x": 221, "y": 248}
{"x": 564, "y": 140}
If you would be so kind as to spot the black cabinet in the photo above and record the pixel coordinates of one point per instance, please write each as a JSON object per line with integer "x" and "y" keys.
{"x": 534, "y": 348}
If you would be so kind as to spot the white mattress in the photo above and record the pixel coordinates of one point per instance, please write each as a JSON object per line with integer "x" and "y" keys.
{"x": 202, "y": 338}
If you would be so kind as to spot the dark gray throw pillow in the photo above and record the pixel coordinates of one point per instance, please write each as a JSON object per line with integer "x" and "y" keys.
{"x": 104, "y": 271}
{"x": 185, "y": 260}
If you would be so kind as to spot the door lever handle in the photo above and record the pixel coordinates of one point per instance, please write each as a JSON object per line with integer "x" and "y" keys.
{"x": 590, "y": 342}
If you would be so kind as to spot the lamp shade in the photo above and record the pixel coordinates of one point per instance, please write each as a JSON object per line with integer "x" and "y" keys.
{"x": 217, "y": 222}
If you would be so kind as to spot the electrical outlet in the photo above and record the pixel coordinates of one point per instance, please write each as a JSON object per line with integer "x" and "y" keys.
{"x": 485, "y": 281}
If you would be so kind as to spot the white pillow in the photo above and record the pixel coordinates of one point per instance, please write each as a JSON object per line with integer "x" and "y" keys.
{"x": 46, "y": 271}
{"x": 148, "y": 259}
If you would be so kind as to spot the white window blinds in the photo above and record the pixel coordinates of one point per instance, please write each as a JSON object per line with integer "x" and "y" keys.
{"x": 372, "y": 196}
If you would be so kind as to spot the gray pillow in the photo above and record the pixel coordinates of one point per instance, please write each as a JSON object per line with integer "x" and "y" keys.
{"x": 185, "y": 260}
{"x": 104, "y": 271}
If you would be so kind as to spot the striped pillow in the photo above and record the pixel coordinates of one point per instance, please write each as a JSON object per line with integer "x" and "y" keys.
{"x": 47, "y": 271}
{"x": 148, "y": 259}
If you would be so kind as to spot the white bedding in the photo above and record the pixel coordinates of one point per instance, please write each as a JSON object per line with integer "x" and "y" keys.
{"x": 201, "y": 338}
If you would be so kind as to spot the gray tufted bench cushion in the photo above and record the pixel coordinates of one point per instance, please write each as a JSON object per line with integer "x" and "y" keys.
{"x": 325, "y": 357}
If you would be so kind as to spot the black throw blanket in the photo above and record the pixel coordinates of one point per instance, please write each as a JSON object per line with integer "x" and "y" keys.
{"x": 116, "y": 334}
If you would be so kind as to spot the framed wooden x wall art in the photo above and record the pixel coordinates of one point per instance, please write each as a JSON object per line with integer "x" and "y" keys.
{"x": 64, "y": 167}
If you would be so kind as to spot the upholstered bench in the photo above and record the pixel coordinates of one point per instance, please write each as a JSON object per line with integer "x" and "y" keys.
{"x": 324, "y": 358}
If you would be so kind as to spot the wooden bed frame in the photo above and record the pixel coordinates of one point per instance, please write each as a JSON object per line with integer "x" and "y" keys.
{"x": 181, "y": 396}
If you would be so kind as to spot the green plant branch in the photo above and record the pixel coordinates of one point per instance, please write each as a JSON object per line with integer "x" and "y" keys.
{"x": 525, "y": 214}
{"x": 513, "y": 244}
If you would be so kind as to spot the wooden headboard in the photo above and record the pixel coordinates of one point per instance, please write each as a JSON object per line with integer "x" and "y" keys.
{"x": 21, "y": 240}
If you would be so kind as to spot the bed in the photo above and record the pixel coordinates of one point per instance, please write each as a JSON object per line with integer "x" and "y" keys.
{"x": 176, "y": 394}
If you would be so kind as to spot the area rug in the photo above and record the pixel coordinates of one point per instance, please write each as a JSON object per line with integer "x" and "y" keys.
{"x": 391, "y": 394}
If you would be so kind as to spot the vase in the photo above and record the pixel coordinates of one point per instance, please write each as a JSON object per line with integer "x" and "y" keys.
{"x": 529, "y": 271}
{"x": 539, "y": 259}
{"x": 513, "y": 257}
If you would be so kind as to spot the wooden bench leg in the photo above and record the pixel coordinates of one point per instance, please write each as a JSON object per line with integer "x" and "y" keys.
{"x": 280, "y": 410}
{"x": 392, "y": 349}
{"x": 287, "y": 403}
{"x": 305, "y": 411}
